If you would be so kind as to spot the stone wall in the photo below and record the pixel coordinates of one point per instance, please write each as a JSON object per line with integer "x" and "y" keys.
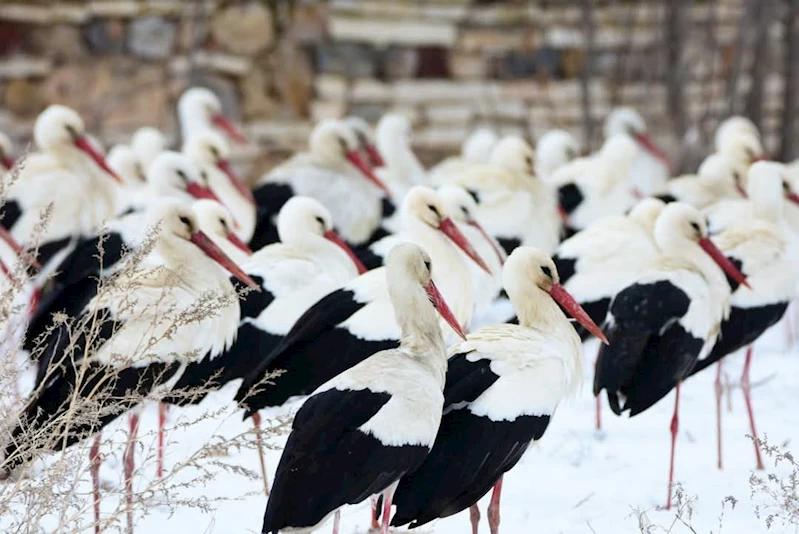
{"x": 279, "y": 66}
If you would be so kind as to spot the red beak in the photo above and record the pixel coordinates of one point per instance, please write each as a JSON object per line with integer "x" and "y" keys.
{"x": 452, "y": 232}
{"x": 741, "y": 190}
{"x": 475, "y": 224}
{"x": 83, "y": 144}
{"x": 356, "y": 160}
{"x": 562, "y": 297}
{"x": 243, "y": 190}
{"x": 18, "y": 249}
{"x": 222, "y": 123}
{"x": 374, "y": 156}
{"x": 241, "y": 245}
{"x": 564, "y": 217}
{"x": 204, "y": 243}
{"x": 7, "y": 162}
{"x": 722, "y": 261}
{"x": 440, "y": 304}
{"x": 645, "y": 141}
{"x": 198, "y": 191}
{"x": 793, "y": 197}
{"x": 761, "y": 157}
{"x": 334, "y": 237}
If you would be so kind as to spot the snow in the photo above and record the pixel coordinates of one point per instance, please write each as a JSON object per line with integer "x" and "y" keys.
{"x": 575, "y": 481}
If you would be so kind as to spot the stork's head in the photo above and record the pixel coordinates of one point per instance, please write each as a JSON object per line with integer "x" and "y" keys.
{"x": 742, "y": 147}
{"x": 366, "y": 140}
{"x": 627, "y": 121}
{"x": 515, "y": 154}
{"x": 173, "y": 174}
{"x": 335, "y": 143}
{"x": 199, "y": 102}
{"x": 216, "y": 221}
{"x": 180, "y": 239}
{"x": 208, "y": 148}
{"x": 303, "y": 221}
{"x": 732, "y": 127}
{"x": 60, "y": 129}
{"x": 554, "y": 149}
{"x": 123, "y": 161}
{"x": 423, "y": 209}
{"x": 528, "y": 270}
{"x": 147, "y": 143}
{"x": 478, "y": 146}
{"x": 681, "y": 227}
{"x": 463, "y": 208}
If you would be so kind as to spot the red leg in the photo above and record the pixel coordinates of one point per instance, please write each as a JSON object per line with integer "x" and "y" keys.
{"x": 336, "y": 521}
{"x": 718, "y": 389}
{"x": 129, "y": 463}
{"x": 375, "y": 523}
{"x": 94, "y": 466}
{"x": 746, "y": 387}
{"x": 675, "y": 426}
{"x": 388, "y": 497}
{"x": 256, "y": 422}
{"x": 474, "y": 517}
{"x": 162, "y": 411}
{"x": 493, "y": 508}
{"x": 598, "y": 400}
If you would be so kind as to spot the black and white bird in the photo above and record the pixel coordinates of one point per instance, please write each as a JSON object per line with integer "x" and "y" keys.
{"x": 666, "y": 319}
{"x": 200, "y": 109}
{"x": 756, "y": 241}
{"x": 332, "y": 172}
{"x": 130, "y": 341}
{"x": 503, "y": 385}
{"x": 719, "y": 177}
{"x": 357, "y": 319}
{"x": 359, "y": 433}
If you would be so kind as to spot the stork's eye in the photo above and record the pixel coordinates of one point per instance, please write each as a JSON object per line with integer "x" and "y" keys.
{"x": 321, "y": 221}
{"x": 343, "y": 144}
{"x": 182, "y": 175}
{"x": 185, "y": 220}
{"x": 434, "y": 210}
{"x": 466, "y": 212}
{"x": 785, "y": 187}
{"x": 72, "y": 131}
{"x": 214, "y": 152}
{"x": 547, "y": 271}
{"x": 737, "y": 176}
{"x": 224, "y": 223}
{"x": 427, "y": 265}
{"x": 204, "y": 177}
{"x": 695, "y": 226}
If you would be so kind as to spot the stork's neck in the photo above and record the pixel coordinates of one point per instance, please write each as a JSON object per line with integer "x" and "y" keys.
{"x": 99, "y": 189}
{"x": 691, "y": 251}
{"x": 403, "y": 165}
{"x": 422, "y": 338}
{"x": 330, "y": 257}
{"x": 196, "y": 271}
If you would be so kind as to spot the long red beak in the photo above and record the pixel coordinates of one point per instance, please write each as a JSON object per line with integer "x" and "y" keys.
{"x": 722, "y": 261}
{"x": 198, "y": 191}
{"x": 7, "y": 162}
{"x": 440, "y": 304}
{"x": 645, "y": 141}
{"x": 793, "y": 197}
{"x": 475, "y": 224}
{"x": 204, "y": 243}
{"x": 221, "y": 122}
{"x": 241, "y": 245}
{"x": 452, "y": 232}
{"x": 83, "y": 144}
{"x": 356, "y": 160}
{"x": 568, "y": 303}
{"x": 243, "y": 190}
{"x": 18, "y": 249}
{"x": 335, "y": 238}
{"x": 374, "y": 156}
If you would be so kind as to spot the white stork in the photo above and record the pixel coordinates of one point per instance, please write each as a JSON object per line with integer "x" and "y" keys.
{"x": 718, "y": 178}
{"x": 124, "y": 345}
{"x": 503, "y": 386}
{"x": 662, "y": 323}
{"x": 402, "y": 169}
{"x": 476, "y": 148}
{"x": 732, "y": 127}
{"x": 147, "y": 143}
{"x": 360, "y": 432}
{"x": 758, "y": 241}
{"x": 366, "y": 140}
{"x": 553, "y": 150}
{"x": 333, "y": 173}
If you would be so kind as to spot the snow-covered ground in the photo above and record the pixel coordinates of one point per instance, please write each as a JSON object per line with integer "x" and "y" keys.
{"x": 575, "y": 481}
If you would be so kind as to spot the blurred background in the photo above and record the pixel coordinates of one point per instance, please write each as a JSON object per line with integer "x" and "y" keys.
{"x": 520, "y": 66}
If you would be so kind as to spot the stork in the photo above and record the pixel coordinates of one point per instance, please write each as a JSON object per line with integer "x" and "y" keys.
{"x": 333, "y": 173}
{"x": 147, "y": 143}
{"x": 402, "y": 169}
{"x": 663, "y": 322}
{"x": 503, "y": 385}
{"x": 553, "y": 150}
{"x": 366, "y": 140}
{"x": 360, "y": 432}
{"x": 718, "y": 178}
{"x": 759, "y": 242}
{"x": 476, "y": 148}
{"x": 106, "y": 360}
